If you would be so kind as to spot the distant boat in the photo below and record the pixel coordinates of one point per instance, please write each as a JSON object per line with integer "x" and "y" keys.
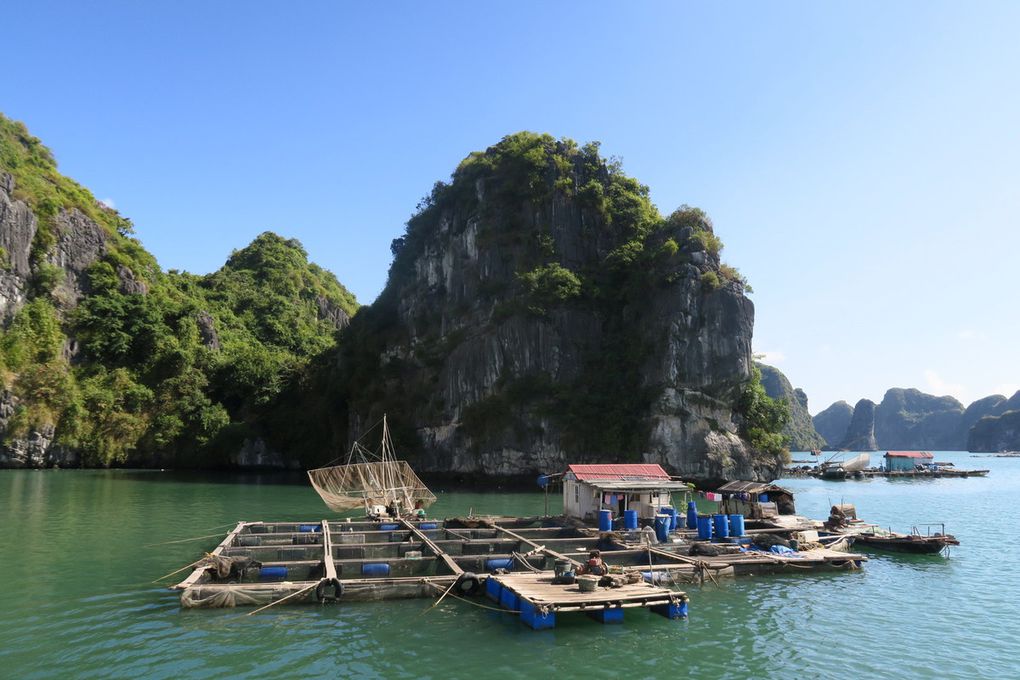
{"x": 376, "y": 481}
{"x": 836, "y": 470}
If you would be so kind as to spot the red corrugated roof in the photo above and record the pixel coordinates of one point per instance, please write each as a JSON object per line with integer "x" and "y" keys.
{"x": 909, "y": 454}
{"x": 624, "y": 471}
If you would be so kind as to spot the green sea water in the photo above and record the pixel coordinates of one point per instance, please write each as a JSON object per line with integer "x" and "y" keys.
{"x": 76, "y": 599}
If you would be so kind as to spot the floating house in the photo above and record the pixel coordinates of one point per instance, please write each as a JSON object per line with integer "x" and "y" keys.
{"x": 906, "y": 461}
{"x": 756, "y": 500}
{"x": 644, "y": 487}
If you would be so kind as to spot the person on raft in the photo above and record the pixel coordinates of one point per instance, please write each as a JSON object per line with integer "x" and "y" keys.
{"x": 419, "y": 509}
{"x": 594, "y": 566}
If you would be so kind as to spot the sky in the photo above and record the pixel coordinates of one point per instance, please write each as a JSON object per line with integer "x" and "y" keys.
{"x": 861, "y": 161}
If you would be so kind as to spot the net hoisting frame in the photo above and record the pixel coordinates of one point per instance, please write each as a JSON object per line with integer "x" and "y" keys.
{"x": 371, "y": 478}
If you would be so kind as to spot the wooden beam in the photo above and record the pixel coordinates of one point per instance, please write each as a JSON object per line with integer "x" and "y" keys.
{"x": 536, "y": 546}
{"x": 437, "y": 551}
{"x": 327, "y": 551}
{"x": 225, "y": 543}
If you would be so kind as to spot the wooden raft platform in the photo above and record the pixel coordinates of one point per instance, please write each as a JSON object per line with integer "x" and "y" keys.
{"x": 539, "y": 600}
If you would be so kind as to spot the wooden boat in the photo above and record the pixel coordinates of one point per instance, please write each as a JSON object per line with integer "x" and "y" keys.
{"x": 919, "y": 544}
{"x": 907, "y": 543}
{"x": 836, "y": 470}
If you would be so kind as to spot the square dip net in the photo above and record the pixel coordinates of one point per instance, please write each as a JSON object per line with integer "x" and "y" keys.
{"x": 371, "y": 479}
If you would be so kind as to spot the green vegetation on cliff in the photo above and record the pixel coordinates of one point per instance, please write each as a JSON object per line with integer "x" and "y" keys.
{"x": 147, "y": 365}
{"x": 558, "y": 241}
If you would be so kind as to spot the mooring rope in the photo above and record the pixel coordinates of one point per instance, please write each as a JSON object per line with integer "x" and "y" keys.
{"x": 195, "y": 563}
{"x": 494, "y": 609}
{"x": 436, "y": 603}
{"x": 182, "y": 540}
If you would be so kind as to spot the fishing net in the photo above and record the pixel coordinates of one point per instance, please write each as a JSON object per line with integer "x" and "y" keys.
{"x": 235, "y": 595}
{"x": 357, "y": 485}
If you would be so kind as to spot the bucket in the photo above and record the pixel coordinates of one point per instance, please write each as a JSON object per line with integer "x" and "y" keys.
{"x": 587, "y": 584}
{"x": 630, "y": 519}
{"x": 692, "y": 515}
{"x": 736, "y": 525}
{"x": 722, "y": 525}
{"x": 662, "y": 528}
{"x": 273, "y": 574}
{"x": 704, "y": 523}
{"x": 375, "y": 569}
{"x": 605, "y": 520}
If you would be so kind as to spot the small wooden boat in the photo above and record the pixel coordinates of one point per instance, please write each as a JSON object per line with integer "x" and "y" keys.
{"x": 908, "y": 543}
{"x": 914, "y": 542}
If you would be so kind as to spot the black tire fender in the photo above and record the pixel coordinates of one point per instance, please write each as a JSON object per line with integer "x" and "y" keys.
{"x": 322, "y": 593}
{"x": 467, "y": 584}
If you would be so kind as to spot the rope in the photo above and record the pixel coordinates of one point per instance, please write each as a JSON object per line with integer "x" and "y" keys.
{"x": 493, "y": 609}
{"x": 436, "y": 603}
{"x": 283, "y": 599}
{"x": 196, "y": 562}
{"x": 183, "y": 540}
{"x": 523, "y": 561}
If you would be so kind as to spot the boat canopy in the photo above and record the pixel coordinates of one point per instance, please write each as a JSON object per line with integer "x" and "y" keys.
{"x": 752, "y": 487}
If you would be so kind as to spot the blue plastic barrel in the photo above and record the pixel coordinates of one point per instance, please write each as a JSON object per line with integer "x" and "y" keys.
{"x": 630, "y": 519}
{"x": 763, "y": 498}
{"x": 722, "y": 525}
{"x": 704, "y": 523}
{"x": 273, "y": 574}
{"x": 736, "y": 525}
{"x": 667, "y": 510}
{"x": 499, "y": 563}
{"x": 425, "y": 526}
{"x": 388, "y": 527}
{"x": 309, "y": 527}
{"x": 681, "y": 522}
{"x": 543, "y": 481}
{"x": 375, "y": 569}
{"x": 692, "y": 515}
{"x": 662, "y": 528}
{"x": 605, "y": 520}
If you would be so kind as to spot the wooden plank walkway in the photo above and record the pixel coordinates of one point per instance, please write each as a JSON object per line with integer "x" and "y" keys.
{"x": 539, "y": 600}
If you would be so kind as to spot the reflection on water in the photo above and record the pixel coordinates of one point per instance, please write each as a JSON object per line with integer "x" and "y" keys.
{"x": 77, "y": 598}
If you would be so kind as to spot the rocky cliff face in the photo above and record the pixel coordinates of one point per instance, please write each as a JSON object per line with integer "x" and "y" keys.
{"x": 800, "y": 429}
{"x": 832, "y": 423}
{"x": 17, "y": 231}
{"x": 911, "y": 419}
{"x": 539, "y": 311}
{"x": 860, "y": 434}
{"x": 996, "y": 433}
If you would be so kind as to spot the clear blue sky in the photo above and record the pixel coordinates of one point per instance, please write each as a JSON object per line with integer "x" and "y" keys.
{"x": 860, "y": 160}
